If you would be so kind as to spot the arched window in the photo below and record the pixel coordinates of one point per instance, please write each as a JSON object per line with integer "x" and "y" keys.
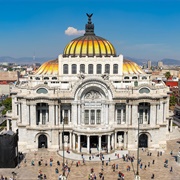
{"x": 144, "y": 77}
{"x": 107, "y": 68}
{"x": 42, "y": 90}
{"x": 54, "y": 78}
{"x": 65, "y": 69}
{"x": 74, "y": 69}
{"x": 115, "y": 69}
{"x": 82, "y": 68}
{"x": 144, "y": 90}
{"x": 99, "y": 69}
{"x": 126, "y": 77}
{"x": 37, "y": 78}
{"x": 90, "y": 69}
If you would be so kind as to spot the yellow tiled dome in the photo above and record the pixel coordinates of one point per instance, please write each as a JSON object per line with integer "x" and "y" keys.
{"x": 48, "y": 68}
{"x": 130, "y": 67}
{"x": 89, "y": 45}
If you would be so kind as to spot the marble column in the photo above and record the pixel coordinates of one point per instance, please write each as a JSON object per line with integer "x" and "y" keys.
{"x": 56, "y": 121}
{"x": 125, "y": 139}
{"x": 111, "y": 115}
{"x": 82, "y": 113}
{"x": 107, "y": 117}
{"x": 79, "y": 143}
{"x": 28, "y": 114}
{"x": 19, "y": 109}
{"x": 109, "y": 148}
{"x": 153, "y": 114}
{"x": 88, "y": 144}
{"x": 171, "y": 125}
{"x": 79, "y": 114}
{"x": 115, "y": 140}
{"x": 60, "y": 137}
{"x": 7, "y": 124}
{"x": 33, "y": 115}
{"x": 70, "y": 140}
{"x": 51, "y": 114}
{"x": 135, "y": 115}
{"x": 74, "y": 114}
{"x": 74, "y": 142}
{"x": 112, "y": 141}
{"x": 99, "y": 144}
{"x": 127, "y": 114}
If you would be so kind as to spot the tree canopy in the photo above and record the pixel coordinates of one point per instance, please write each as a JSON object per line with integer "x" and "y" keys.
{"x": 167, "y": 75}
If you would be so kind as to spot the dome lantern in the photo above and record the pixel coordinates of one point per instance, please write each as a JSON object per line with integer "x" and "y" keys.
{"x": 89, "y": 26}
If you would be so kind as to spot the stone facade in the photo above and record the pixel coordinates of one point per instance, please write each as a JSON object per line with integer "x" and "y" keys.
{"x": 90, "y": 102}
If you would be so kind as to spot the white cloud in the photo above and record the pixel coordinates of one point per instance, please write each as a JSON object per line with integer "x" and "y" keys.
{"x": 70, "y": 31}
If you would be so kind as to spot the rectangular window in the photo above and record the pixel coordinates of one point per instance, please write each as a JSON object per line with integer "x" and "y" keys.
{"x": 65, "y": 116}
{"x": 124, "y": 115}
{"x": 115, "y": 69}
{"x": 43, "y": 116}
{"x": 119, "y": 116}
{"x": 74, "y": 69}
{"x": 65, "y": 69}
{"x": 107, "y": 68}
{"x": 140, "y": 116}
{"x": 99, "y": 69}
{"x": 82, "y": 68}
{"x": 98, "y": 117}
{"x": 86, "y": 117}
{"x": 90, "y": 69}
{"x": 92, "y": 117}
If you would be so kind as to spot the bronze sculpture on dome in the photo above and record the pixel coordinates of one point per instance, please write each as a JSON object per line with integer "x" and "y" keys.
{"x": 89, "y": 17}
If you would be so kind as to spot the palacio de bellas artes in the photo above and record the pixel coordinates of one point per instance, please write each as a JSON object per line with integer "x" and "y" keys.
{"x": 93, "y": 99}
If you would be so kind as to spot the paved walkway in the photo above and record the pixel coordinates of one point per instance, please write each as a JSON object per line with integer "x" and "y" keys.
{"x": 28, "y": 172}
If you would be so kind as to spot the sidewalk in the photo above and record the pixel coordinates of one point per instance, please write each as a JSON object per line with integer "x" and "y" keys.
{"x": 75, "y": 156}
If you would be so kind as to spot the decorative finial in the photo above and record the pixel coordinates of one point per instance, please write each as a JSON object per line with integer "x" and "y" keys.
{"x": 89, "y": 17}
{"x": 89, "y": 26}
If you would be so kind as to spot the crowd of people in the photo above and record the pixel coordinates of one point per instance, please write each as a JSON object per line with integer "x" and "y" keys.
{"x": 63, "y": 169}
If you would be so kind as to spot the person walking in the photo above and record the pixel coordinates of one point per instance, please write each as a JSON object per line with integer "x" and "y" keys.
{"x": 152, "y": 177}
{"x": 171, "y": 169}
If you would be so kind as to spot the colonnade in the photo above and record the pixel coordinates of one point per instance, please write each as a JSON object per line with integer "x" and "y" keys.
{"x": 111, "y": 140}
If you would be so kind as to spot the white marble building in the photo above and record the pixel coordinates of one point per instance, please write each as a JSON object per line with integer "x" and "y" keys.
{"x": 98, "y": 95}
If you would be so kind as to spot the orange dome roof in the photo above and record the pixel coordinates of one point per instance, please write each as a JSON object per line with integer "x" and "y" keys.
{"x": 89, "y": 45}
{"x": 130, "y": 67}
{"x": 48, "y": 68}
{"x": 52, "y": 68}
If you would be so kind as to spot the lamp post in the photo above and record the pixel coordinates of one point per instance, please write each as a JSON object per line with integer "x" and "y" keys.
{"x": 137, "y": 177}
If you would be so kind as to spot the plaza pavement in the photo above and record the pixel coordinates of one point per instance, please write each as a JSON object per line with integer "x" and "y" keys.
{"x": 28, "y": 172}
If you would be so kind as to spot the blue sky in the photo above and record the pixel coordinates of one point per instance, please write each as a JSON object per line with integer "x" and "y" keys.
{"x": 147, "y": 29}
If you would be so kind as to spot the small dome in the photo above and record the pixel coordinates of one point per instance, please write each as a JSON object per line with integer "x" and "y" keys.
{"x": 48, "y": 68}
{"x": 130, "y": 67}
{"x": 89, "y": 45}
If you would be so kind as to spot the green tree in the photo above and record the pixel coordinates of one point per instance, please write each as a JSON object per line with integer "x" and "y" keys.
{"x": 172, "y": 100}
{"x": 7, "y": 103}
{"x": 167, "y": 75}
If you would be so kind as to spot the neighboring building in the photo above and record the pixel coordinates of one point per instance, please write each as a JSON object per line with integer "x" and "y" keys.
{"x": 149, "y": 64}
{"x": 160, "y": 64}
{"x": 7, "y": 77}
{"x": 98, "y": 95}
{"x": 177, "y": 106}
